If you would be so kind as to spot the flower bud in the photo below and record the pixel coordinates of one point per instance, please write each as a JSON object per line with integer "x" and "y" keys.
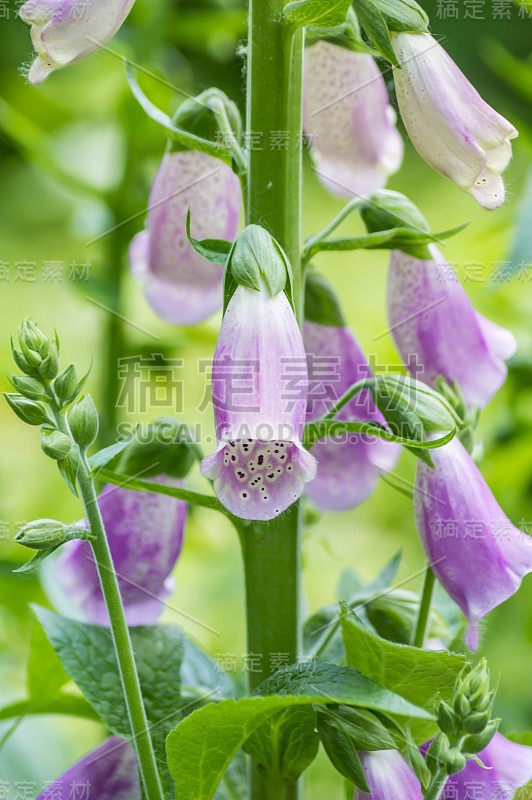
{"x": 256, "y": 257}
{"x": 83, "y": 421}
{"x": 461, "y": 705}
{"x": 56, "y": 445}
{"x": 49, "y": 366}
{"x": 476, "y": 721}
{"x": 477, "y": 742}
{"x": 437, "y": 746}
{"x": 196, "y": 116}
{"x": 387, "y": 209}
{"x": 66, "y": 384}
{"x": 31, "y": 388}
{"x": 32, "y": 412}
{"x": 41, "y": 534}
{"x": 448, "y": 720}
{"x": 452, "y": 760}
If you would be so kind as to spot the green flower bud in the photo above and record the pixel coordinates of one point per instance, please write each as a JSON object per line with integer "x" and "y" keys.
{"x": 448, "y": 720}
{"x": 478, "y": 741}
{"x": 49, "y": 367}
{"x": 461, "y": 705}
{"x": 386, "y": 209}
{"x": 438, "y": 745}
{"x": 83, "y": 421}
{"x": 56, "y": 445}
{"x": 31, "y": 388}
{"x": 32, "y": 357}
{"x": 476, "y": 721}
{"x": 31, "y": 411}
{"x": 32, "y": 336}
{"x": 452, "y": 760}
{"x": 66, "y": 385}
{"x": 257, "y": 258}
{"x": 42, "y": 534}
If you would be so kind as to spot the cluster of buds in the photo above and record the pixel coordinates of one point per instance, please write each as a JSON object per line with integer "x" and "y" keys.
{"x": 466, "y": 727}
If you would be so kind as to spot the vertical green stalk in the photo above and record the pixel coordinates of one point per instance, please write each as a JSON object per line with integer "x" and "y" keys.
{"x": 424, "y": 608}
{"x": 271, "y": 550}
{"x": 124, "y": 651}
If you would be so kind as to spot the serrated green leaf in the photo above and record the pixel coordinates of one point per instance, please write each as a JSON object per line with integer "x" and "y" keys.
{"x": 287, "y": 743}
{"x": 415, "y": 674}
{"x": 318, "y": 13}
{"x": 88, "y": 656}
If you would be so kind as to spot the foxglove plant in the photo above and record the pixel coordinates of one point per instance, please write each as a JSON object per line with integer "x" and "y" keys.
{"x": 349, "y": 120}
{"x": 477, "y": 554}
{"x": 182, "y": 287}
{"x": 438, "y": 332}
{"x": 64, "y": 32}
{"x": 367, "y": 699}
{"x": 450, "y": 125}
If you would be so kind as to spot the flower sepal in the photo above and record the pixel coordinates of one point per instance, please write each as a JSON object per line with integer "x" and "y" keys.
{"x": 257, "y": 259}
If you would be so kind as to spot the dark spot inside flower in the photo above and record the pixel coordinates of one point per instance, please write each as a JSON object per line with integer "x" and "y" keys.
{"x": 244, "y": 494}
{"x": 271, "y": 475}
{"x": 241, "y": 474}
{"x": 233, "y": 458}
{"x": 260, "y": 459}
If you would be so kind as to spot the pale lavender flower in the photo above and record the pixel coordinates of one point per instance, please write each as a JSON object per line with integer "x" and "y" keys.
{"x": 145, "y": 533}
{"x": 259, "y": 390}
{"x": 477, "y": 554}
{"x": 508, "y": 767}
{"x": 450, "y": 125}
{"x": 110, "y": 771}
{"x": 66, "y": 31}
{"x": 388, "y": 776}
{"x": 348, "y": 470}
{"x": 349, "y": 120}
{"x": 438, "y": 332}
{"x": 181, "y": 285}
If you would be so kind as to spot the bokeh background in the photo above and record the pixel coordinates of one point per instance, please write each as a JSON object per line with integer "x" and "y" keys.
{"x": 77, "y": 157}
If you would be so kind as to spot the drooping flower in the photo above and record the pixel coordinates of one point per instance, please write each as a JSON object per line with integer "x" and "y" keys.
{"x": 110, "y": 772}
{"x": 145, "y": 533}
{"x": 388, "y": 776}
{"x": 508, "y": 767}
{"x": 259, "y": 390}
{"x": 181, "y": 285}
{"x": 66, "y": 31}
{"x": 450, "y": 125}
{"x": 438, "y": 332}
{"x": 349, "y": 468}
{"x": 349, "y": 120}
{"x": 477, "y": 554}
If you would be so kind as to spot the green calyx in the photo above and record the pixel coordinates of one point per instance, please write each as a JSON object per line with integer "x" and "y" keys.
{"x": 256, "y": 259}
{"x": 41, "y": 534}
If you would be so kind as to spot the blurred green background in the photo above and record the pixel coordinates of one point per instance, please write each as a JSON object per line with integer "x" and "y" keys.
{"x": 84, "y": 120}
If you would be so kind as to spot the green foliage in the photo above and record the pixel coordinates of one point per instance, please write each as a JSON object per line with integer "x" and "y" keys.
{"x": 317, "y": 13}
{"x": 417, "y": 675}
{"x": 286, "y": 744}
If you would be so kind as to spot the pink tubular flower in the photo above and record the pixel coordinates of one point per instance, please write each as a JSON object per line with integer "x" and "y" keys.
{"x": 145, "y": 532}
{"x": 438, "y": 332}
{"x": 477, "y": 554}
{"x": 346, "y": 110}
{"x": 348, "y": 470}
{"x": 181, "y": 285}
{"x": 66, "y": 31}
{"x": 259, "y": 390}
{"x": 388, "y": 776}
{"x": 450, "y": 125}
{"x": 110, "y": 771}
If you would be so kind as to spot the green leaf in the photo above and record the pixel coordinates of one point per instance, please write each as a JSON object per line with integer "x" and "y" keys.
{"x": 88, "y": 656}
{"x": 403, "y": 15}
{"x": 341, "y": 750}
{"x": 164, "y": 447}
{"x": 415, "y": 674}
{"x": 187, "y": 140}
{"x": 331, "y": 427}
{"x": 205, "y": 500}
{"x": 103, "y": 457}
{"x": 215, "y": 250}
{"x": 46, "y": 675}
{"x": 376, "y": 29}
{"x": 208, "y": 739}
{"x": 330, "y": 683}
{"x": 287, "y": 743}
{"x": 322, "y": 305}
{"x": 64, "y": 704}
{"x": 318, "y": 13}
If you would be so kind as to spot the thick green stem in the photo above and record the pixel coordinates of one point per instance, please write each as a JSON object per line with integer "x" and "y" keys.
{"x": 141, "y": 738}
{"x": 424, "y": 609}
{"x": 271, "y": 550}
